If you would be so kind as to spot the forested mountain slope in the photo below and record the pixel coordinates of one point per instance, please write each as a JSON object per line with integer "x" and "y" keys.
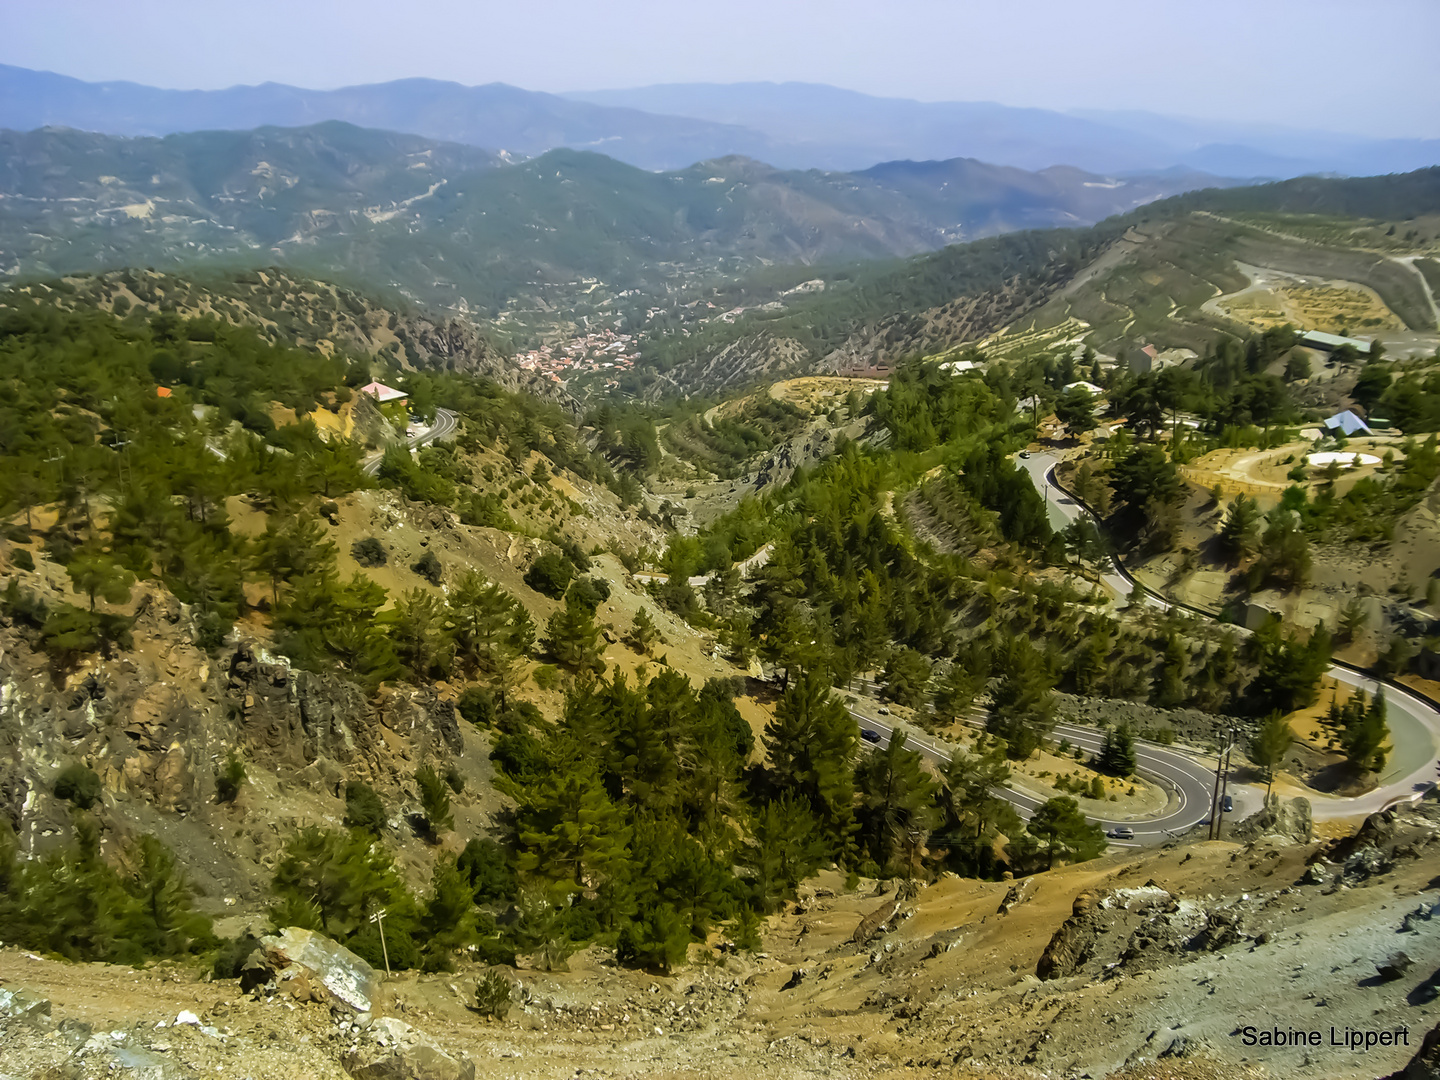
{"x": 440, "y": 222}
{"x": 272, "y": 659}
{"x": 1144, "y": 277}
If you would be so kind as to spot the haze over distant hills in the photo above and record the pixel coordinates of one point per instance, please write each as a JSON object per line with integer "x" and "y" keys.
{"x": 841, "y": 128}
{"x": 443, "y": 223}
{"x": 789, "y": 125}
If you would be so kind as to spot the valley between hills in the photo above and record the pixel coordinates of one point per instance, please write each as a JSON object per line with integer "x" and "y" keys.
{"x": 533, "y": 622}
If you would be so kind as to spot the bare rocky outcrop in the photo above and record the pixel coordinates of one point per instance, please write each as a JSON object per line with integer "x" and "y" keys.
{"x": 155, "y": 726}
{"x": 748, "y": 360}
{"x": 27, "y": 1008}
{"x": 1425, "y": 1065}
{"x": 1288, "y": 821}
{"x": 1070, "y": 945}
{"x": 876, "y": 921}
{"x": 393, "y": 1050}
{"x": 1399, "y": 834}
{"x": 1136, "y": 929}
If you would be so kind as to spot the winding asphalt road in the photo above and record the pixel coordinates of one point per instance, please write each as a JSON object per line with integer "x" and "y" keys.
{"x": 1186, "y": 778}
{"x": 1186, "y": 781}
{"x": 445, "y": 424}
{"x": 1414, "y": 720}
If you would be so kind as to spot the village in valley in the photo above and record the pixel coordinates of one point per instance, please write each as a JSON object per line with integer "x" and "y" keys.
{"x": 596, "y": 351}
{"x": 605, "y": 348}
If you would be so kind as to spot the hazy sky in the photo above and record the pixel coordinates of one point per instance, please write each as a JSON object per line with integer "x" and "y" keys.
{"x": 1366, "y": 66}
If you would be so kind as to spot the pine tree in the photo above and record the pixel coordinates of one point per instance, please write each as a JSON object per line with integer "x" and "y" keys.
{"x": 363, "y": 808}
{"x": 487, "y": 868}
{"x": 570, "y": 833}
{"x": 448, "y": 919}
{"x": 1076, "y": 410}
{"x": 897, "y": 798}
{"x": 643, "y": 632}
{"x": 491, "y": 628}
{"x": 785, "y": 848}
{"x": 957, "y": 692}
{"x": 906, "y": 678}
{"x": 291, "y": 548}
{"x": 434, "y": 802}
{"x": 492, "y": 996}
{"x": 976, "y": 814}
{"x": 1171, "y": 689}
{"x": 342, "y": 878}
{"x": 1352, "y": 620}
{"x": 95, "y": 574}
{"x": 646, "y": 726}
{"x": 1270, "y": 745}
{"x": 161, "y": 922}
{"x": 1284, "y": 549}
{"x": 745, "y": 930}
{"x": 417, "y": 628}
{"x": 573, "y": 640}
{"x": 811, "y": 744}
{"x": 658, "y": 940}
{"x": 1022, "y": 711}
{"x": 1365, "y": 734}
{"x": 695, "y": 886}
{"x": 1092, "y": 661}
{"x": 1240, "y": 531}
{"x": 229, "y": 777}
{"x": 1117, "y": 752}
{"x": 1289, "y": 670}
{"x": 1059, "y": 825}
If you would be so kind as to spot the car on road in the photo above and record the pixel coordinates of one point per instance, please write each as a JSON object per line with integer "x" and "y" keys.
{"x": 869, "y": 736}
{"x": 1025, "y": 454}
{"x": 1121, "y": 832}
{"x": 1227, "y": 804}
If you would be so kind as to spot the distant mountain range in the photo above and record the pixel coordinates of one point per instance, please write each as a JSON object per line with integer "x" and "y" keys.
{"x": 788, "y": 125}
{"x": 833, "y": 128}
{"x": 444, "y": 222}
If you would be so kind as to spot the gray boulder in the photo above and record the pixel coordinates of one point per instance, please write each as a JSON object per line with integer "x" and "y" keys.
{"x": 311, "y": 967}
{"x": 26, "y": 1007}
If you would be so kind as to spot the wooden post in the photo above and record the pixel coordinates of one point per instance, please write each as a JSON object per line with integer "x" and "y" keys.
{"x": 1224, "y": 786}
{"x": 379, "y": 920}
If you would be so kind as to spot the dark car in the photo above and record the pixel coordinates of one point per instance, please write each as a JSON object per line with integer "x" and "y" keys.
{"x": 1025, "y": 454}
{"x": 1227, "y": 804}
{"x": 1121, "y": 832}
{"x": 869, "y": 736}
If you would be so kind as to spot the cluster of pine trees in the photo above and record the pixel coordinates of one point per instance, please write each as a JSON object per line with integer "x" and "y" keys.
{"x": 1361, "y": 731}
{"x": 642, "y": 820}
{"x": 138, "y": 432}
{"x": 74, "y": 903}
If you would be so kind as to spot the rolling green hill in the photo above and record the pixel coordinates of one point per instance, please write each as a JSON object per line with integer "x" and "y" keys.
{"x": 443, "y": 224}
{"x": 1143, "y": 277}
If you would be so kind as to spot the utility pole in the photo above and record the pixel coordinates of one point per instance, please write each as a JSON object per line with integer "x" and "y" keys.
{"x": 1211, "y": 833}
